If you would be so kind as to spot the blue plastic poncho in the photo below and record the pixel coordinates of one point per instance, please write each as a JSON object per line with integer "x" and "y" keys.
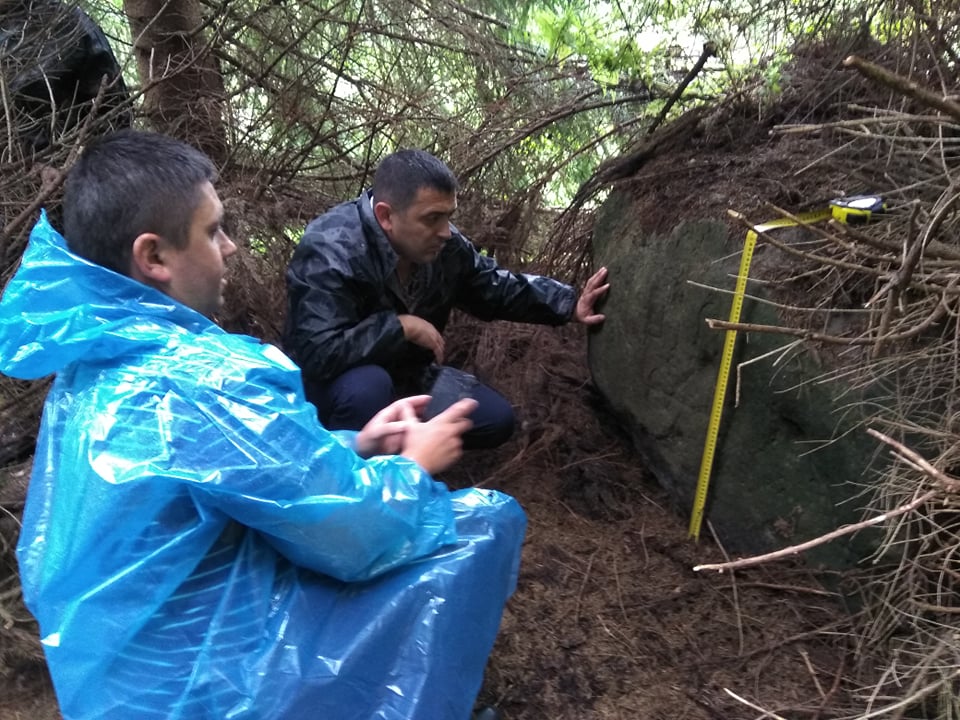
{"x": 195, "y": 545}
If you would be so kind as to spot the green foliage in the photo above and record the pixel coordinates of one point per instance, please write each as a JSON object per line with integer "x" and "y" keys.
{"x": 521, "y": 98}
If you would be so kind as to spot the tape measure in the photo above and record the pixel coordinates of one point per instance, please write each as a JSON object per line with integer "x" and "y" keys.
{"x": 854, "y": 209}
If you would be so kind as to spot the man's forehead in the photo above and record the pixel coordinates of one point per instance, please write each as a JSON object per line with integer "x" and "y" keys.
{"x": 209, "y": 208}
{"x": 430, "y": 199}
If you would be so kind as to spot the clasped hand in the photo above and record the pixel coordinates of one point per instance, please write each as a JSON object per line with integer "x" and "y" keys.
{"x": 435, "y": 445}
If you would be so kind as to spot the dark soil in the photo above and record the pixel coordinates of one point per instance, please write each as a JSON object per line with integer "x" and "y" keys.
{"x": 609, "y": 619}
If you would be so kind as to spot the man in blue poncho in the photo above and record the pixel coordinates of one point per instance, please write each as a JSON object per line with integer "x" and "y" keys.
{"x": 194, "y": 544}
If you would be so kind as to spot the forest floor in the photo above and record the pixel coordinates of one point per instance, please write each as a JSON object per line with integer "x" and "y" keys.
{"x": 609, "y": 619}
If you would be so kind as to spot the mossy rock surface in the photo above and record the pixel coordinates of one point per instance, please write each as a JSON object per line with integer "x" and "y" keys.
{"x": 792, "y": 460}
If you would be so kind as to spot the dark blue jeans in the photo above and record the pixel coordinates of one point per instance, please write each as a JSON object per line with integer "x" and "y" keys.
{"x": 349, "y": 401}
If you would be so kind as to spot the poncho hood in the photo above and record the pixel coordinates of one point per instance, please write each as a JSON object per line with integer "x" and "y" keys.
{"x": 59, "y": 307}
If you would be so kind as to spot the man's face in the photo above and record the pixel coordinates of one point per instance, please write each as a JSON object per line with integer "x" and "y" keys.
{"x": 198, "y": 270}
{"x": 418, "y": 233}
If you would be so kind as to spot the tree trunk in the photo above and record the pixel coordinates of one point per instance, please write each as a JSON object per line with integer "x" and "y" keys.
{"x": 184, "y": 92}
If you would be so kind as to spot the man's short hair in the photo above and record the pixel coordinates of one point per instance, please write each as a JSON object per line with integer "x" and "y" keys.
{"x": 402, "y": 174}
{"x": 129, "y": 183}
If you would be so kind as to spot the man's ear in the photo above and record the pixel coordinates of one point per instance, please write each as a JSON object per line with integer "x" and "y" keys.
{"x": 148, "y": 260}
{"x": 384, "y": 215}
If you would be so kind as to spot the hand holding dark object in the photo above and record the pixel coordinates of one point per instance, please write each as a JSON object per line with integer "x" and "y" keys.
{"x": 448, "y": 387}
{"x": 437, "y": 444}
{"x": 594, "y": 289}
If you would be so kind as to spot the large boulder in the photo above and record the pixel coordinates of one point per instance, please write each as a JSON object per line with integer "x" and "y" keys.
{"x": 791, "y": 459}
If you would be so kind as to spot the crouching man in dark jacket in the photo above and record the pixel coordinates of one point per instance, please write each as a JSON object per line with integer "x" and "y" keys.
{"x": 371, "y": 287}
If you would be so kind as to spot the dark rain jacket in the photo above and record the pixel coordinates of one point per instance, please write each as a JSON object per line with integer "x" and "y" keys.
{"x": 54, "y": 60}
{"x": 344, "y": 296}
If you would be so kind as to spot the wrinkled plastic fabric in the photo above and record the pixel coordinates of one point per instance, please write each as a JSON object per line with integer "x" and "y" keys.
{"x": 344, "y": 297}
{"x": 195, "y": 545}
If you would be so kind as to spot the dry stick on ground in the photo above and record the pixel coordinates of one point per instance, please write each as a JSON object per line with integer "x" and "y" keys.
{"x": 733, "y": 587}
{"x": 941, "y": 309}
{"x": 895, "y": 287}
{"x": 837, "y": 677}
{"x": 790, "y": 588}
{"x": 583, "y": 584}
{"x": 830, "y": 628}
{"x": 908, "y": 701}
{"x": 924, "y": 667}
{"x": 934, "y": 248}
{"x": 903, "y": 85}
{"x": 900, "y": 280}
{"x": 843, "y": 265}
{"x": 892, "y": 118}
{"x": 802, "y": 547}
{"x": 805, "y": 656}
{"x": 945, "y": 484}
{"x": 949, "y": 257}
{"x": 752, "y": 706}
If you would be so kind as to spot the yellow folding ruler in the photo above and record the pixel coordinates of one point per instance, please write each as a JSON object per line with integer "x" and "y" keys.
{"x": 856, "y": 209}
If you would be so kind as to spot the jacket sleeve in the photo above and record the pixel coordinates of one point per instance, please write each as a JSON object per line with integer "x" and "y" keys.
{"x": 328, "y": 330}
{"x": 490, "y": 292}
{"x": 245, "y": 443}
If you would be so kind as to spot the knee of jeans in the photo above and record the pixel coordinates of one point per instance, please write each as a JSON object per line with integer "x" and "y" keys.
{"x": 369, "y": 384}
{"x": 503, "y": 430}
{"x": 491, "y": 434}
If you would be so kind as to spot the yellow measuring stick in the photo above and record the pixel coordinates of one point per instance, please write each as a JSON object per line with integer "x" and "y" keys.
{"x": 855, "y": 209}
